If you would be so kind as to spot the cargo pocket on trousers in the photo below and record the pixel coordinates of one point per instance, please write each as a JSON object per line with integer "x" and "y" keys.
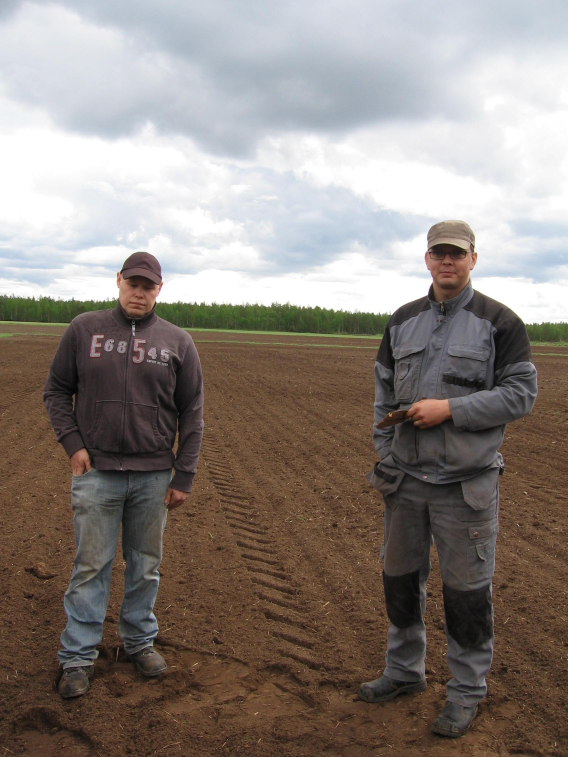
{"x": 481, "y": 491}
{"x": 481, "y": 554}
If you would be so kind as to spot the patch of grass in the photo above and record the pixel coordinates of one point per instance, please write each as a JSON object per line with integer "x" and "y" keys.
{"x": 287, "y": 344}
{"x": 32, "y": 323}
{"x": 286, "y": 333}
{"x": 550, "y": 354}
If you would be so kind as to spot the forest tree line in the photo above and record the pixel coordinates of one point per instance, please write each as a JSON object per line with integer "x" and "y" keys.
{"x": 250, "y": 317}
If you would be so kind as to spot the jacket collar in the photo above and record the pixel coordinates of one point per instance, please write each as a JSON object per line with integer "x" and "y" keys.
{"x": 141, "y": 323}
{"x": 449, "y": 307}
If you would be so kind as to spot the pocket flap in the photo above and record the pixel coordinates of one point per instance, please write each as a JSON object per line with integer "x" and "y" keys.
{"x": 406, "y": 350}
{"x": 469, "y": 351}
{"x": 480, "y": 549}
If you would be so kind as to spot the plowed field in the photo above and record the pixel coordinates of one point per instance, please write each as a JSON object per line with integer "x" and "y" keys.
{"x": 271, "y": 606}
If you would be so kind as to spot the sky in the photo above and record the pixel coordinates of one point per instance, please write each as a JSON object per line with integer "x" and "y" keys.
{"x": 284, "y": 151}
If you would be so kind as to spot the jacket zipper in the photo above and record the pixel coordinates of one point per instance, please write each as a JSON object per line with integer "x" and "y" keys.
{"x": 132, "y": 335}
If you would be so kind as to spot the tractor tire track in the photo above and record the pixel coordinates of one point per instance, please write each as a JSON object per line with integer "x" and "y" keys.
{"x": 273, "y": 585}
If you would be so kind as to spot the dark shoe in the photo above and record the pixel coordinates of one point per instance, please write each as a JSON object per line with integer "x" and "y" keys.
{"x": 149, "y": 662}
{"x": 75, "y": 681}
{"x": 454, "y": 720}
{"x": 382, "y": 689}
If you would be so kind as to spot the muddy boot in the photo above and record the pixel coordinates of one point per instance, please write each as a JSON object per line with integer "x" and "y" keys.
{"x": 149, "y": 662}
{"x": 382, "y": 689}
{"x": 454, "y": 720}
{"x": 75, "y": 681}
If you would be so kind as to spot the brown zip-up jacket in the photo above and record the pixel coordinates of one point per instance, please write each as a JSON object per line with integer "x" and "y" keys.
{"x": 136, "y": 383}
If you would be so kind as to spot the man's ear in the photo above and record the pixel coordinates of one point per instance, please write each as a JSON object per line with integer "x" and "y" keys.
{"x": 427, "y": 260}
{"x": 118, "y": 279}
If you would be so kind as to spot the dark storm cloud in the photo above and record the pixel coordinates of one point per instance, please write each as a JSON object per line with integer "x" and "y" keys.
{"x": 226, "y": 73}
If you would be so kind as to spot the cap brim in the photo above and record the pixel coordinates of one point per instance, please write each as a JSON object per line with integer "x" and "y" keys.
{"x": 144, "y": 272}
{"x": 451, "y": 240}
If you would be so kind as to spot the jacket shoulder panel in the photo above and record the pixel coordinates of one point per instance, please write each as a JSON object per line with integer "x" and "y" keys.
{"x": 400, "y": 316}
{"x": 92, "y": 319}
{"x": 512, "y": 343}
{"x": 173, "y": 329}
{"x": 410, "y": 310}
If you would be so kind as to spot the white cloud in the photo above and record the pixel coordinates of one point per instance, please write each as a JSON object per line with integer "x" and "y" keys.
{"x": 285, "y": 151}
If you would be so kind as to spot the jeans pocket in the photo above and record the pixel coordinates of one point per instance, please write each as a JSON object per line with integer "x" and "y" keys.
{"x": 83, "y": 474}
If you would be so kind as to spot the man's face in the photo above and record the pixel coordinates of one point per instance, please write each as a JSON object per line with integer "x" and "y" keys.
{"x": 137, "y": 295}
{"x": 449, "y": 275}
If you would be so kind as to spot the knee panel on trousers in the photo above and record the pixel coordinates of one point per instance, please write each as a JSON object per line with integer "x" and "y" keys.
{"x": 469, "y": 615}
{"x": 402, "y": 598}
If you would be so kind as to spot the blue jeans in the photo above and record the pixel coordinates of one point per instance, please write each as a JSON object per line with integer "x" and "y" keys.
{"x": 101, "y": 502}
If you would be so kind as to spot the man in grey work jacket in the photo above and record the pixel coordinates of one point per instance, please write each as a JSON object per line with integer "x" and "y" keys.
{"x": 136, "y": 383}
{"x": 460, "y": 364}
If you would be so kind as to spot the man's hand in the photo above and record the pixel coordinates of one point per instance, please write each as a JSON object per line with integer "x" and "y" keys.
{"x": 429, "y": 413}
{"x": 175, "y": 498}
{"x": 80, "y": 462}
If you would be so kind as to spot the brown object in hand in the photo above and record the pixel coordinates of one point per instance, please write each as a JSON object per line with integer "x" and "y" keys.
{"x": 391, "y": 419}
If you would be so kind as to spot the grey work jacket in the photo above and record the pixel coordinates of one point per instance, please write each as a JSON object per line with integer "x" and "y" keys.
{"x": 470, "y": 350}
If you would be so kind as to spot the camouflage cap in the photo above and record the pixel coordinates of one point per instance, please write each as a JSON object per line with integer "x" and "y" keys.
{"x": 457, "y": 233}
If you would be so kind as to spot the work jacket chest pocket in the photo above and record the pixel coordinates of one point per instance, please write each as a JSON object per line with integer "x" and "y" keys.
{"x": 407, "y": 365}
{"x": 465, "y": 370}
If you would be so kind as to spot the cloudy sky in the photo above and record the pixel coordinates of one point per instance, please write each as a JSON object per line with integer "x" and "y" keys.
{"x": 290, "y": 151}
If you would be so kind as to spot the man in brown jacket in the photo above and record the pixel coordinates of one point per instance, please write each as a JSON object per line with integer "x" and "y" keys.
{"x": 122, "y": 384}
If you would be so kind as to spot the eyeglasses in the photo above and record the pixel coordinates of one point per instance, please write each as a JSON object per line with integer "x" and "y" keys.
{"x": 455, "y": 254}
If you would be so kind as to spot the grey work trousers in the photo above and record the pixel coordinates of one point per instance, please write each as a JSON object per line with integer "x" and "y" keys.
{"x": 465, "y": 540}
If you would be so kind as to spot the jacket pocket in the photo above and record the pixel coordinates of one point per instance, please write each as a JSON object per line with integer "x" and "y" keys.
{"x": 465, "y": 370}
{"x": 126, "y": 429}
{"x": 141, "y": 433}
{"x": 106, "y": 432}
{"x": 408, "y": 362}
{"x": 385, "y": 477}
{"x": 468, "y": 452}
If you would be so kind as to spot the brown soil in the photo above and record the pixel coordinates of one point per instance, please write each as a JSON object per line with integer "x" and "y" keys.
{"x": 271, "y": 607}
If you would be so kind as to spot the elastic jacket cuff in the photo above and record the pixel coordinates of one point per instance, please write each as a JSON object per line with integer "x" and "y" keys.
{"x": 182, "y": 481}
{"x": 459, "y": 414}
{"x": 72, "y": 443}
{"x": 383, "y": 452}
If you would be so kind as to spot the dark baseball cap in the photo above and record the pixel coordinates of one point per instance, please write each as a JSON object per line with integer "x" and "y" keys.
{"x": 458, "y": 233}
{"x": 142, "y": 264}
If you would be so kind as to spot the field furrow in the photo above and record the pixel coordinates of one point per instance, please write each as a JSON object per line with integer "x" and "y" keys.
{"x": 271, "y": 606}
